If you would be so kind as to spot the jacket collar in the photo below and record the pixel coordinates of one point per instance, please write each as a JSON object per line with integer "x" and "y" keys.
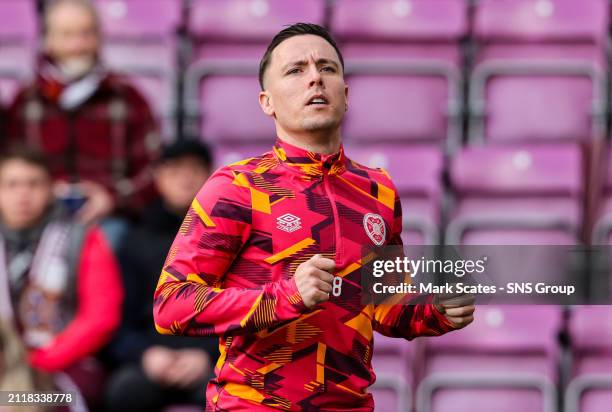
{"x": 309, "y": 163}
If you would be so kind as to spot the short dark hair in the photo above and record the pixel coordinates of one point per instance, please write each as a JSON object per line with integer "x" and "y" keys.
{"x": 28, "y": 155}
{"x": 296, "y": 29}
{"x": 187, "y": 148}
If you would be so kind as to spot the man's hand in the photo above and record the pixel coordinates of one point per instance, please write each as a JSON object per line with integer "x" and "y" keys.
{"x": 156, "y": 360}
{"x": 314, "y": 280}
{"x": 191, "y": 368}
{"x": 99, "y": 202}
{"x": 458, "y": 309}
{"x": 184, "y": 368}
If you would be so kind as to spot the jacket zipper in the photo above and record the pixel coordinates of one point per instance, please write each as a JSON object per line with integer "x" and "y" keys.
{"x": 329, "y": 193}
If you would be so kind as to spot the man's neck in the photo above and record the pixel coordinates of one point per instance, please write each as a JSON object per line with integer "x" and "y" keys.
{"x": 317, "y": 143}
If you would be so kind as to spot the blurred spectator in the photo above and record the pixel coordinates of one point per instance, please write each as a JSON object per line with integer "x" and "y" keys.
{"x": 59, "y": 282}
{"x": 15, "y": 373}
{"x": 159, "y": 370}
{"x": 98, "y": 131}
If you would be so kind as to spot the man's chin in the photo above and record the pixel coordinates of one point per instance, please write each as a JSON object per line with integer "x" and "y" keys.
{"x": 76, "y": 68}
{"x": 319, "y": 125}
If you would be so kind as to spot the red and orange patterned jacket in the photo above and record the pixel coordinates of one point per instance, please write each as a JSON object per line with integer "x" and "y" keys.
{"x": 229, "y": 273}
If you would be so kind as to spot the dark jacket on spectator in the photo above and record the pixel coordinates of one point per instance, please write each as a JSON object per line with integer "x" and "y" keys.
{"x": 141, "y": 257}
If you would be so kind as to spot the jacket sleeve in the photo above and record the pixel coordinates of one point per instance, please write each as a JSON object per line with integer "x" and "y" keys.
{"x": 99, "y": 299}
{"x": 143, "y": 146}
{"x": 14, "y": 128}
{"x": 411, "y": 315}
{"x": 191, "y": 298}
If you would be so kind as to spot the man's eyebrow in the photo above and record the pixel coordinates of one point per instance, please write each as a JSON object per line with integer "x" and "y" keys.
{"x": 301, "y": 63}
{"x": 295, "y": 63}
{"x": 327, "y": 61}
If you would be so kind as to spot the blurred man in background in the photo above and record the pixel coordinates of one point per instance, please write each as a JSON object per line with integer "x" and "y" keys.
{"x": 97, "y": 130}
{"x": 159, "y": 370}
{"x": 59, "y": 282}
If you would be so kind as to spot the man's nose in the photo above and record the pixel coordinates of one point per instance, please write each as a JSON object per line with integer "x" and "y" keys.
{"x": 315, "y": 77}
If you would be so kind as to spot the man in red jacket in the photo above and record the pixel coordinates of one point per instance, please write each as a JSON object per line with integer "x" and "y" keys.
{"x": 59, "y": 282}
{"x": 269, "y": 254}
{"x": 97, "y": 130}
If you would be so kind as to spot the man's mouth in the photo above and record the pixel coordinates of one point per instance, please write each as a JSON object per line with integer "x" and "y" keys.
{"x": 318, "y": 99}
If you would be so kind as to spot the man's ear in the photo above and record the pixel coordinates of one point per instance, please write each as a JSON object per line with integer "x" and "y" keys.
{"x": 266, "y": 103}
{"x": 346, "y": 93}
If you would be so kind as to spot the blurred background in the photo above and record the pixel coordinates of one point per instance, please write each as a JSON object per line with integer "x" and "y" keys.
{"x": 492, "y": 117}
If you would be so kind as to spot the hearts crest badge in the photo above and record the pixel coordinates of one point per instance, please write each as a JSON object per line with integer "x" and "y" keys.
{"x": 374, "y": 226}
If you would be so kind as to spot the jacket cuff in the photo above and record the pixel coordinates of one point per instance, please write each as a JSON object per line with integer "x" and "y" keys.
{"x": 444, "y": 325}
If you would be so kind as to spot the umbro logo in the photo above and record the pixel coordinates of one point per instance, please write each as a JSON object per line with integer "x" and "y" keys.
{"x": 288, "y": 222}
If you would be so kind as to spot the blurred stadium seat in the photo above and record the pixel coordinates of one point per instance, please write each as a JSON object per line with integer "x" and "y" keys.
{"x": 525, "y": 194}
{"x": 505, "y": 361}
{"x": 394, "y": 362}
{"x": 539, "y": 71}
{"x": 140, "y": 40}
{"x": 18, "y": 45}
{"x": 403, "y": 68}
{"x": 225, "y": 154}
{"x": 602, "y": 231}
{"x": 590, "y": 390}
{"x": 229, "y": 37}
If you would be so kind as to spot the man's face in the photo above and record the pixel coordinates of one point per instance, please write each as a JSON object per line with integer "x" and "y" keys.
{"x": 72, "y": 38}
{"x": 178, "y": 181}
{"x": 304, "y": 86}
{"x": 25, "y": 193}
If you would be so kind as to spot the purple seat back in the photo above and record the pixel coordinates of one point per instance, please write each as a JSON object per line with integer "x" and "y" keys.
{"x": 503, "y": 329}
{"x": 512, "y": 171}
{"x": 230, "y": 110}
{"x": 415, "y": 169}
{"x": 406, "y": 105}
{"x": 18, "y": 21}
{"x": 484, "y": 399}
{"x": 397, "y": 108}
{"x": 139, "y": 19}
{"x": 249, "y": 20}
{"x": 393, "y": 361}
{"x": 18, "y": 36}
{"x": 392, "y": 20}
{"x": 591, "y": 336}
{"x": 552, "y": 35}
{"x": 225, "y": 154}
{"x": 524, "y": 236}
{"x": 562, "y": 21}
{"x": 400, "y": 30}
{"x": 140, "y": 41}
{"x": 503, "y": 341}
{"x": 550, "y": 108}
{"x": 591, "y": 329}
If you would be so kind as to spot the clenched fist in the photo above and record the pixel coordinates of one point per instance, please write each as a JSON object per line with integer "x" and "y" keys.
{"x": 314, "y": 279}
{"x": 458, "y": 309}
